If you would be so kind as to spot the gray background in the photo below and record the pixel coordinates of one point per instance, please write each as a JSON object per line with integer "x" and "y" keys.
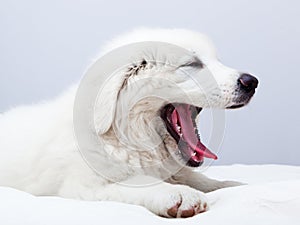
{"x": 46, "y": 45}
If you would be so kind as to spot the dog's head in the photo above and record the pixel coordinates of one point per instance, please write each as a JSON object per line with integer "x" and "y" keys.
{"x": 159, "y": 95}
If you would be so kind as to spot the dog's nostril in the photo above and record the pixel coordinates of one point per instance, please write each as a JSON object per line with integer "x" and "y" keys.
{"x": 247, "y": 82}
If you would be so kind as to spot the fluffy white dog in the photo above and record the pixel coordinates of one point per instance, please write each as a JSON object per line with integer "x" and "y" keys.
{"x": 39, "y": 152}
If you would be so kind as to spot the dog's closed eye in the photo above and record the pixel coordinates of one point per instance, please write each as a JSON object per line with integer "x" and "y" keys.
{"x": 194, "y": 62}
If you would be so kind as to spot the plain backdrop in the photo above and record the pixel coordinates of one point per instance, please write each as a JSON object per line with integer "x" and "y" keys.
{"x": 46, "y": 45}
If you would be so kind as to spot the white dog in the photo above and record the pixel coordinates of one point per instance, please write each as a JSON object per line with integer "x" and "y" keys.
{"x": 39, "y": 153}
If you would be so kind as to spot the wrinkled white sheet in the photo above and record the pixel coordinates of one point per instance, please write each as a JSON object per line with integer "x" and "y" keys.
{"x": 272, "y": 197}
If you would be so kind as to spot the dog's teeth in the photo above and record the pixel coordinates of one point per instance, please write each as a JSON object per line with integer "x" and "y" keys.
{"x": 178, "y": 128}
{"x": 194, "y": 153}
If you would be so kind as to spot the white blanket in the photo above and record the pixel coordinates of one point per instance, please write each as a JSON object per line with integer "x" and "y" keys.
{"x": 272, "y": 197}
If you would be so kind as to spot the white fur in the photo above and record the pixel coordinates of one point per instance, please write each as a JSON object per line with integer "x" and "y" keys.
{"x": 39, "y": 155}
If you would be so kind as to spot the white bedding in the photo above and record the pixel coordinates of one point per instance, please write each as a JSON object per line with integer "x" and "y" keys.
{"x": 272, "y": 197}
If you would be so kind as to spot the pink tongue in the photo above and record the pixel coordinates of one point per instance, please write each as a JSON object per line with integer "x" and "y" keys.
{"x": 188, "y": 131}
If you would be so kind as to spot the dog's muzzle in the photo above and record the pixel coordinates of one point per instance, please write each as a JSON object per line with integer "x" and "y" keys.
{"x": 246, "y": 85}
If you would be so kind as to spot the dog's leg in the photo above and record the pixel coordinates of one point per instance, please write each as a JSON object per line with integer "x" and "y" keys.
{"x": 161, "y": 198}
{"x": 199, "y": 181}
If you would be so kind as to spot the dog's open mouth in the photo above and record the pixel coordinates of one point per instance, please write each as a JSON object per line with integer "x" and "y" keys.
{"x": 180, "y": 120}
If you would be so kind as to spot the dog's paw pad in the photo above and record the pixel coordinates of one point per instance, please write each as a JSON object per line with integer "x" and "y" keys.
{"x": 184, "y": 209}
{"x": 187, "y": 213}
{"x": 172, "y": 212}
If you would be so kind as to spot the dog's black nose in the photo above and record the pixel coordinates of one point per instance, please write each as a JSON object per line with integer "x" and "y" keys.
{"x": 247, "y": 82}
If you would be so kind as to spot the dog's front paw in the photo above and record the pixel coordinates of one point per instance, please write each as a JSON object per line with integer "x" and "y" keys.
{"x": 179, "y": 201}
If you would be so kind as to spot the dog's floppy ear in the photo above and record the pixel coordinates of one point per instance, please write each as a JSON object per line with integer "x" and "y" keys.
{"x": 105, "y": 107}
